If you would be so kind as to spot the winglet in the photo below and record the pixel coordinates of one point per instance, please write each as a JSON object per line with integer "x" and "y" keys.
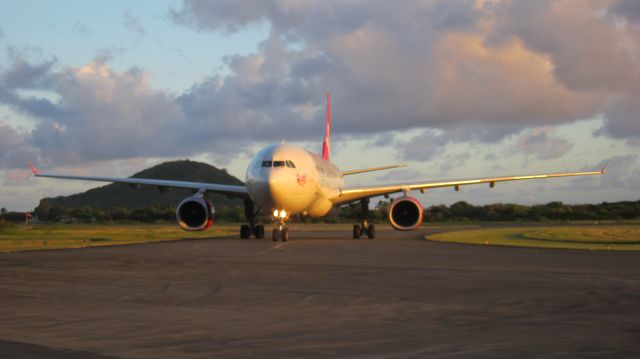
{"x": 604, "y": 168}
{"x": 33, "y": 169}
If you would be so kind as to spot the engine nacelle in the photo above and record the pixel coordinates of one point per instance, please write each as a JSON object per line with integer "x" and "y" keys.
{"x": 406, "y": 213}
{"x": 195, "y": 214}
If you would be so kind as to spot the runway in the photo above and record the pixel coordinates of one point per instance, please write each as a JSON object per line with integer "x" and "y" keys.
{"x": 319, "y": 295}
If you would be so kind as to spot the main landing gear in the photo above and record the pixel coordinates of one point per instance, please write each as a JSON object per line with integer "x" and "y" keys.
{"x": 364, "y": 228}
{"x": 247, "y": 230}
{"x": 280, "y": 229}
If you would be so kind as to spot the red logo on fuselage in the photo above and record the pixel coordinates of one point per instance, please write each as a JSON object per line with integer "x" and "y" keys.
{"x": 302, "y": 179}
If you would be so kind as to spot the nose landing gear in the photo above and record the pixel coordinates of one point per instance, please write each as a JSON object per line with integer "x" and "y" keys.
{"x": 280, "y": 233}
{"x": 280, "y": 229}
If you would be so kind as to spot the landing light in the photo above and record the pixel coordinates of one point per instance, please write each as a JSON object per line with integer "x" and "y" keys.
{"x": 280, "y": 214}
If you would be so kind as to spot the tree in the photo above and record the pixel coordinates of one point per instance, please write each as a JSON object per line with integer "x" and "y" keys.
{"x": 3, "y": 211}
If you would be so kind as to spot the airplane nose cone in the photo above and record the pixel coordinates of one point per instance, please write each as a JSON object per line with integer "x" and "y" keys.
{"x": 279, "y": 183}
{"x": 273, "y": 189}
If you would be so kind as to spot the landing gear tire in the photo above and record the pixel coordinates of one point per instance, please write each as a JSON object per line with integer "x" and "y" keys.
{"x": 285, "y": 234}
{"x": 275, "y": 234}
{"x": 245, "y": 231}
{"x": 371, "y": 231}
{"x": 258, "y": 231}
{"x": 356, "y": 231}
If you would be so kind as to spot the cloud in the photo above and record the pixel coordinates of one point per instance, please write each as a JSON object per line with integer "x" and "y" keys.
{"x": 23, "y": 74}
{"x": 15, "y": 151}
{"x": 226, "y": 15}
{"x": 595, "y": 55}
{"x": 438, "y": 64}
{"x": 453, "y": 161}
{"x": 543, "y": 144}
{"x": 108, "y": 115}
{"x": 422, "y": 147}
{"x": 98, "y": 113}
{"x": 81, "y": 28}
{"x": 133, "y": 24}
{"x": 16, "y": 177}
{"x": 622, "y": 117}
{"x": 629, "y": 9}
{"x": 403, "y": 175}
{"x": 623, "y": 173}
{"x": 457, "y": 71}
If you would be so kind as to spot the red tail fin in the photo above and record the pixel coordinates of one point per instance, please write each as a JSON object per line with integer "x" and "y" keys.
{"x": 326, "y": 144}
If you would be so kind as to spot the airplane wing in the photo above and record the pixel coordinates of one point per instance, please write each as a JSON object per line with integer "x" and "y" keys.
{"x": 229, "y": 190}
{"x": 352, "y": 194}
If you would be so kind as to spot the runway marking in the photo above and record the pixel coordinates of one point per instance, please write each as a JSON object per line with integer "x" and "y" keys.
{"x": 273, "y": 248}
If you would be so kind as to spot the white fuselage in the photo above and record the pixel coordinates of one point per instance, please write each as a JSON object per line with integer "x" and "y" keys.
{"x": 286, "y": 177}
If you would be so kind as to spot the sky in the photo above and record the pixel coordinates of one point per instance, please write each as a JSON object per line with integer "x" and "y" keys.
{"x": 455, "y": 89}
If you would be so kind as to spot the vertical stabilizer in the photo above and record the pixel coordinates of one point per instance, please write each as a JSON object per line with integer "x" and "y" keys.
{"x": 326, "y": 144}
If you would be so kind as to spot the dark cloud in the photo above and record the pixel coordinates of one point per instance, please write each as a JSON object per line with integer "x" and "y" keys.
{"x": 14, "y": 148}
{"x": 23, "y": 74}
{"x": 226, "y": 15}
{"x": 622, "y": 117}
{"x": 543, "y": 144}
{"x": 133, "y": 24}
{"x": 454, "y": 15}
{"x": 422, "y": 147}
{"x": 629, "y": 9}
{"x": 81, "y": 28}
{"x": 104, "y": 56}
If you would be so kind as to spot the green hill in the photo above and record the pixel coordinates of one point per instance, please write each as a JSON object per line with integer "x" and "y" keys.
{"x": 122, "y": 195}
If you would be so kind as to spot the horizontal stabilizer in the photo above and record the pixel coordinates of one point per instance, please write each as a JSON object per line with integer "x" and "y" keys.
{"x": 353, "y": 172}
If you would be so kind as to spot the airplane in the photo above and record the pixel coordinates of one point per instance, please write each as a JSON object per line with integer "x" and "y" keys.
{"x": 285, "y": 180}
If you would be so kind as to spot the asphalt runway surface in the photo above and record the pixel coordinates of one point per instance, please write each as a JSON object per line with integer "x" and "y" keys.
{"x": 319, "y": 295}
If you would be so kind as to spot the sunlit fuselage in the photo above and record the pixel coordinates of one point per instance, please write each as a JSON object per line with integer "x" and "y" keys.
{"x": 286, "y": 177}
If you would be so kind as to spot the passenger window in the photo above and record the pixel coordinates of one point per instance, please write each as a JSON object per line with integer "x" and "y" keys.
{"x": 278, "y": 163}
{"x": 291, "y": 164}
{"x": 266, "y": 163}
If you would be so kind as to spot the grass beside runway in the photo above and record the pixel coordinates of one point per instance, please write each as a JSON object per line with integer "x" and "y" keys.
{"x": 57, "y": 236}
{"x": 588, "y": 237}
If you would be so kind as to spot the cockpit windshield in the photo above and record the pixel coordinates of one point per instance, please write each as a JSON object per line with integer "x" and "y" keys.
{"x": 287, "y": 163}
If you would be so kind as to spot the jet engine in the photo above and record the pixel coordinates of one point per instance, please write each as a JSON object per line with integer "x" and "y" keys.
{"x": 405, "y": 213}
{"x": 195, "y": 214}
